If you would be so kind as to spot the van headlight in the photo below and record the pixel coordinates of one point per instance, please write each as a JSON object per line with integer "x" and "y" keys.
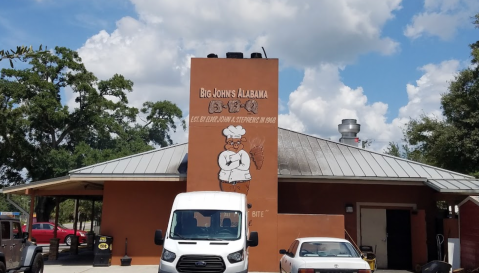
{"x": 168, "y": 256}
{"x": 236, "y": 257}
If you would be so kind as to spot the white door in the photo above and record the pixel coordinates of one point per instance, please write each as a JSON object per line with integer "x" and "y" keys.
{"x": 374, "y": 233}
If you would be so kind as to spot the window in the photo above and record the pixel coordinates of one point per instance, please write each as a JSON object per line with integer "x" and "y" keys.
{"x": 6, "y": 230}
{"x": 48, "y": 226}
{"x": 36, "y": 226}
{"x": 206, "y": 225}
{"x": 17, "y": 231}
{"x": 327, "y": 249}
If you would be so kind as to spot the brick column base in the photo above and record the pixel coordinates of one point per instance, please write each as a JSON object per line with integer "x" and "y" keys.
{"x": 53, "y": 251}
{"x": 74, "y": 246}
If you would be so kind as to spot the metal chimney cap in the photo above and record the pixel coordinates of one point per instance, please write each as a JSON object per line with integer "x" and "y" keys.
{"x": 349, "y": 127}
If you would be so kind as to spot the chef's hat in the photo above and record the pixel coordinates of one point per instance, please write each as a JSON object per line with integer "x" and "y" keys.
{"x": 234, "y": 131}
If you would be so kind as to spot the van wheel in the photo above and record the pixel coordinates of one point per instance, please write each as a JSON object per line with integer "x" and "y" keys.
{"x": 68, "y": 240}
{"x": 2, "y": 268}
{"x": 37, "y": 266}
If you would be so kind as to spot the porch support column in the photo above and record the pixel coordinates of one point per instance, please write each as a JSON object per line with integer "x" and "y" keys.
{"x": 91, "y": 234}
{"x": 32, "y": 210}
{"x": 55, "y": 242}
{"x": 74, "y": 244}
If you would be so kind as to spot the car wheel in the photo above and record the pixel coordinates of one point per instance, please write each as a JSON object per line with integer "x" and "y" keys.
{"x": 37, "y": 266}
{"x": 68, "y": 240}
{"x": 2, "y": 268}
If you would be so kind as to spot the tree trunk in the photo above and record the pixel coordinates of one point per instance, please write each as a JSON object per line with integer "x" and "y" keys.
{"x": 44, "y": 207}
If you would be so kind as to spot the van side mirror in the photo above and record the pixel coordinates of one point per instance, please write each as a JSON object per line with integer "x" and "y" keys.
{"x": 282, "y": 251}
{"x": 25, "y": 236}
{"x": 253, "y": 239}
{"x": 159, "y": 237}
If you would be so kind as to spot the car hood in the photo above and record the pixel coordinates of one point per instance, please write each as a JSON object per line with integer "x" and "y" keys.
{"x": 334, "y": 262}
{"x": 200, "y": 247}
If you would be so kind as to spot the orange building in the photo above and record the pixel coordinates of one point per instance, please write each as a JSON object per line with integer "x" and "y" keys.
{"x": 298, "y": 185}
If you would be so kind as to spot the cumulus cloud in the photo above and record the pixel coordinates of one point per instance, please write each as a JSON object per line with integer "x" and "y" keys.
{"x": 319, "y": 104}
{"x": 442, "y": 18}
{"x": 425, "y": 96}
{"x": 154, "y": 50}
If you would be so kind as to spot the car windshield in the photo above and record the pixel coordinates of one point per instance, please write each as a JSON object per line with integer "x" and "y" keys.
{"x": 327, "y": 249}
{"x": 206, "y": 225}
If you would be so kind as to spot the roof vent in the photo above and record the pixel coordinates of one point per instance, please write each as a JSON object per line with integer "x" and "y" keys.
{"x": 212, "y": 55}
{"x": 234, "y": 55}
{"x": 256, "y": 55}
{"x": 349, "y": 130}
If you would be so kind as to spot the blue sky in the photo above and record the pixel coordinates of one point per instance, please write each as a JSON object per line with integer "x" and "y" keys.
{"x": 363, "y": 48}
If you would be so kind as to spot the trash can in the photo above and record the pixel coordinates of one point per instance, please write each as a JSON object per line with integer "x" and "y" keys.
{"x": 102, "y": 250}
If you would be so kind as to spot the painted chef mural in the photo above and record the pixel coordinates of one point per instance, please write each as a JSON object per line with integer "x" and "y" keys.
{"x": 235, "y": 162}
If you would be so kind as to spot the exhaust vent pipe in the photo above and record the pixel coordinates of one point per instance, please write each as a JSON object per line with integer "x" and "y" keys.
{"x": 234, "y": 55}
{"x": 349, "y": 130}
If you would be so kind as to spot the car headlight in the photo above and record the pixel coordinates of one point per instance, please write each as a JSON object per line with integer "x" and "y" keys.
{"x": 168, "y": 256}
{"x": 236, "y": 257}
{"x": 82, "y": 234}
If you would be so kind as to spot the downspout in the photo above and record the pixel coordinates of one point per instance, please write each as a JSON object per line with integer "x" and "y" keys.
{"x": 19, "y": 208}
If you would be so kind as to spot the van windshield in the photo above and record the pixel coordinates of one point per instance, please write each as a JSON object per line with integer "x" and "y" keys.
{"x": 206, "y": 225}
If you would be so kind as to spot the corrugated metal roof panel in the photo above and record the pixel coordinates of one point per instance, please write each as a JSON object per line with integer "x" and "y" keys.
{"x": 343, "y": 164}
{"x": 178, "y": 154}
{"x": 407, "y": 168}
{"x": 311, "y": 161}
{"x": 319, "y": 156}
{"x": 155, "y": 160}
{"x": 351, "y": 160}
{"x": 299, "y": 155}
{"x": 143, "y": 164}
{"x": 455, "y": 185}
{"x": 120, "y": 168}
{"x": 384, "y": 165}
{"x": 379, "y": 172}
{"x": 131, "y": 167}
{"x": 396, "y": 167}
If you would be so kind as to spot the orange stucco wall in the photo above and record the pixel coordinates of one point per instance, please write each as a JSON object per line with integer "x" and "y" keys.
{"x": 134, "y": 210}
{"x": 292, "y": 226}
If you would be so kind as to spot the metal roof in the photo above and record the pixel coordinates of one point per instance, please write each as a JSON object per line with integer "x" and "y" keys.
{"x": 300, "y": 157}
{"x": 454, "y": 185}
{"x": 170, "y": 160}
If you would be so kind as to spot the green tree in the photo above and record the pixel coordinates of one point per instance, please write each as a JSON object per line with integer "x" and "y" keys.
{"x": 46, "y": 138}
{"x": 19, "y": 53}
{"x": 453, "y": 143}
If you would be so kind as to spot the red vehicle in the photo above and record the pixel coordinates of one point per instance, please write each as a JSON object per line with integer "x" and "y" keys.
{"x": 43, "y": 232}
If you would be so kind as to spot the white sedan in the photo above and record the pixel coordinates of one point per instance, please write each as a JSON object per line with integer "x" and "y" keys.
{"x": 322, "y": 255}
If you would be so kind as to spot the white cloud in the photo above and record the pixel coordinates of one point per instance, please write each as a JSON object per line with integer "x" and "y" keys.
{"x": 319, "y": 104}
{"x": 442, "y": 18}
{"x": 425, "y": 96}
{"x": 154, "y": 50}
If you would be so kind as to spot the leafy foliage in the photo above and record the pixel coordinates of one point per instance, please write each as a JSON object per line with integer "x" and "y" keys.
{"x": 20, "y": 52}
{"x": 43, "y": 138}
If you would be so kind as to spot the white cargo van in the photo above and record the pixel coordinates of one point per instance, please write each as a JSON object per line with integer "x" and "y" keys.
{"x": 207, "y": 232}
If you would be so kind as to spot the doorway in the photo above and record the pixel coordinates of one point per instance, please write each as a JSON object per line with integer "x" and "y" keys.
{"x": 388, "y": 232}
